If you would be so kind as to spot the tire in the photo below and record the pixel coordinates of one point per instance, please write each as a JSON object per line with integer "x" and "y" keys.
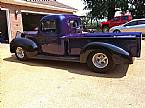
{"x": 100, "y": 61}
{"x": 105, "y": 29}
{"x": 116, "y": 31}
{"x": 20, "y": 53}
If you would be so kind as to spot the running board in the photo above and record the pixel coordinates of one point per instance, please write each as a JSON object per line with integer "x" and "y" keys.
{"x": 58, "y": 58}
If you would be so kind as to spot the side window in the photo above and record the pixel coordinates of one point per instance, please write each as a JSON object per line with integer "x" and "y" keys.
{"x": 49, "y": 26}
{"x": 116, "y": 19}
{"x": 124, "y": 18}
{"x": 141, "y": 22}
{"x": 73, "y": 24}
{"x": 132, "y": 23}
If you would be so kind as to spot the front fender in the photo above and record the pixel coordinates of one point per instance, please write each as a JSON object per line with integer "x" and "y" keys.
{"x": 28, "y": 44}
{"x": 116, "y": 51}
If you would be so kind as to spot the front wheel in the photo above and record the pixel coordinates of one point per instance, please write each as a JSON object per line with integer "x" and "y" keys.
{"x": 100, "y": 61}
{"x": 20, "y": 53}
{"x": 116, "y": 31}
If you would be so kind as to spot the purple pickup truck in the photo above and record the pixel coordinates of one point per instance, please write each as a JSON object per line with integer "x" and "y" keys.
{"x": 60, "y": 37}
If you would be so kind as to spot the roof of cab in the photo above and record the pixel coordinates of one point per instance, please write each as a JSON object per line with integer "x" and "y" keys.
{"x": 59, "y": 16}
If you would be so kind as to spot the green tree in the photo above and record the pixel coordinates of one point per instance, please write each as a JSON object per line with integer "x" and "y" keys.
{"x": 105, "y": 8}
{"x": 137, "y": 8}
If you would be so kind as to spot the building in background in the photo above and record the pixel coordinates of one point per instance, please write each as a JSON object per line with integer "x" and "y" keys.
{"x": 22, "y": 15}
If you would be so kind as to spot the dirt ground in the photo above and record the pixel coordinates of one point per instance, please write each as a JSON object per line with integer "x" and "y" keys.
{"x": 51, "y": 84}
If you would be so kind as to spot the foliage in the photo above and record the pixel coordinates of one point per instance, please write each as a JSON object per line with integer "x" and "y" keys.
{"x": 137, "y": 8}
{"x": 107, "y": 8}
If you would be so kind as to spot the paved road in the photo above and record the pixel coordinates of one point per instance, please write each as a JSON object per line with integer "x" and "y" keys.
{"x": 50, "y": 84}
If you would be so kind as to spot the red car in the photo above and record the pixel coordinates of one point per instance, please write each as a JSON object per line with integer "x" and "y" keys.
{"x": 105, "y": 26}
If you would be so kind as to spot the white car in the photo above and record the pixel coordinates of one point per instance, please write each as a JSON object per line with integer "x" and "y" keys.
{"x": 136, "y": 25}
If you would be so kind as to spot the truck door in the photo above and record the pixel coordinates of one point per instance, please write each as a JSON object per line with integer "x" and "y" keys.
{"x": 48, "y": 38}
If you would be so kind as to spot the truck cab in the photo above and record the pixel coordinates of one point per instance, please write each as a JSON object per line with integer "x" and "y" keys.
{"x": 52, "y": 28}
{"x": 60, "y": 24}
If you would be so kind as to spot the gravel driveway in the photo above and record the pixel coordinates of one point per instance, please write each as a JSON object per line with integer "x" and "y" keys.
{"x": 51, "y": 84}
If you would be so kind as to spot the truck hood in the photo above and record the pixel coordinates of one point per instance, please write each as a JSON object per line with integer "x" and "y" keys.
{"x": 105, "y": 35}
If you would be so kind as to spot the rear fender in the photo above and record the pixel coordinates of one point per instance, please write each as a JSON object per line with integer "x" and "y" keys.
{"x": 28, "y": 44}
{"x": 115, "y": 51}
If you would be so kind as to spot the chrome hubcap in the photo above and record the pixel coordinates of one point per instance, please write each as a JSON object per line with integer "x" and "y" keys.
{"x": 100, "y": 60}
{"x": 20, "y": 52}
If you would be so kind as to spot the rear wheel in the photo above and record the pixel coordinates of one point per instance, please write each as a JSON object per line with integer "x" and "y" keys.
{"x": 20, "y": 53}
{"x": 100, "y": 61}
{"x": 105, "y": 29}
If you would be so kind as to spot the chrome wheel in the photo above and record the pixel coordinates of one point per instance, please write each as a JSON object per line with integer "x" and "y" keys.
{"x": 116, "y": 31}
{"x": 20, "y": 52}
{"x": 100, "y": 60}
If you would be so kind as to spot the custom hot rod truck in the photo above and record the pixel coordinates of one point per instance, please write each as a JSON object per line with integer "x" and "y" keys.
{"x": 60, "y": 37}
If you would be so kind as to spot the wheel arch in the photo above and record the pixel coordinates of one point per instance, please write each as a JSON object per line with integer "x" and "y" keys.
{"x": 28, "y": 44}
{"x": 116, "y": 30}
{"x": 112, "y": 49}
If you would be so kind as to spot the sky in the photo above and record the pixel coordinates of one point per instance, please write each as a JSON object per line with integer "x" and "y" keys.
{"x": 78, "y": 4}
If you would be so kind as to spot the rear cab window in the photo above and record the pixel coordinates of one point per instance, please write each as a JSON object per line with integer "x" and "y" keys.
{"x": 73, "y": 24}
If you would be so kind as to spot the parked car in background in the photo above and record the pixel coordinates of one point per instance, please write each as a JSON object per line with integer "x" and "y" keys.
{"x": 105, "y": 26}
{"x": 136, "y": 25}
